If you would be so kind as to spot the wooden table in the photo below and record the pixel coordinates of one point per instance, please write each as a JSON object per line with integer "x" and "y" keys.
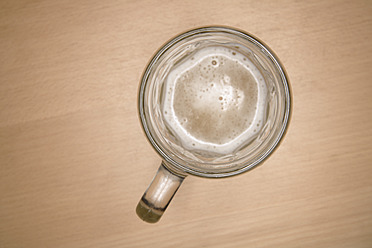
{"x": 74, "y": 161}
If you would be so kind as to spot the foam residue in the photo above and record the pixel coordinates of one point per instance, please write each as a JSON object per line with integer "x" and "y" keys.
{"x": 215, "y": 100}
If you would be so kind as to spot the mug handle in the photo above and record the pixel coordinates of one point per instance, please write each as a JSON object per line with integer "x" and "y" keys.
{"x": 159, "y": 194}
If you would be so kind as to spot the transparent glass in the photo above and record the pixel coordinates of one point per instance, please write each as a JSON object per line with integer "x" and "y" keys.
{"x": 179, "y": 161}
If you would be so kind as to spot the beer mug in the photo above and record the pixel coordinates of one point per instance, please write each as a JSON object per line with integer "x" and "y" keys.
{"x": 214, "y": 102}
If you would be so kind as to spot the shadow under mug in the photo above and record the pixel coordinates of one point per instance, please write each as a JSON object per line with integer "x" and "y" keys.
{"x": 178, "y": 160}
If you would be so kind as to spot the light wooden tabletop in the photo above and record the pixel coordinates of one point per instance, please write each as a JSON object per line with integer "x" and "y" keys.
{"x": 74, "y": 161}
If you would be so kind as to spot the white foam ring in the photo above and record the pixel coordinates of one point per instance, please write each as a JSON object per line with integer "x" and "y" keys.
{"x": 215, "y": 100}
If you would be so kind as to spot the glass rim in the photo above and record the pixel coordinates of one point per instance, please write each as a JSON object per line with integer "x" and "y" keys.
{"x": 218, "y": 29}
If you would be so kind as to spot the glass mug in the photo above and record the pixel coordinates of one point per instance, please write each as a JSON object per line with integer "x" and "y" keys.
{"x": 180, "y": 160}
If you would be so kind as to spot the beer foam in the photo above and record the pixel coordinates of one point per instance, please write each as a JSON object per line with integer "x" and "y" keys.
{"x": 215, "y": 100}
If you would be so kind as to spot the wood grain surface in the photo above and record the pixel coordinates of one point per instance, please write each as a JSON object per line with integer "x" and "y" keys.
{"x": 74, "y": 161}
